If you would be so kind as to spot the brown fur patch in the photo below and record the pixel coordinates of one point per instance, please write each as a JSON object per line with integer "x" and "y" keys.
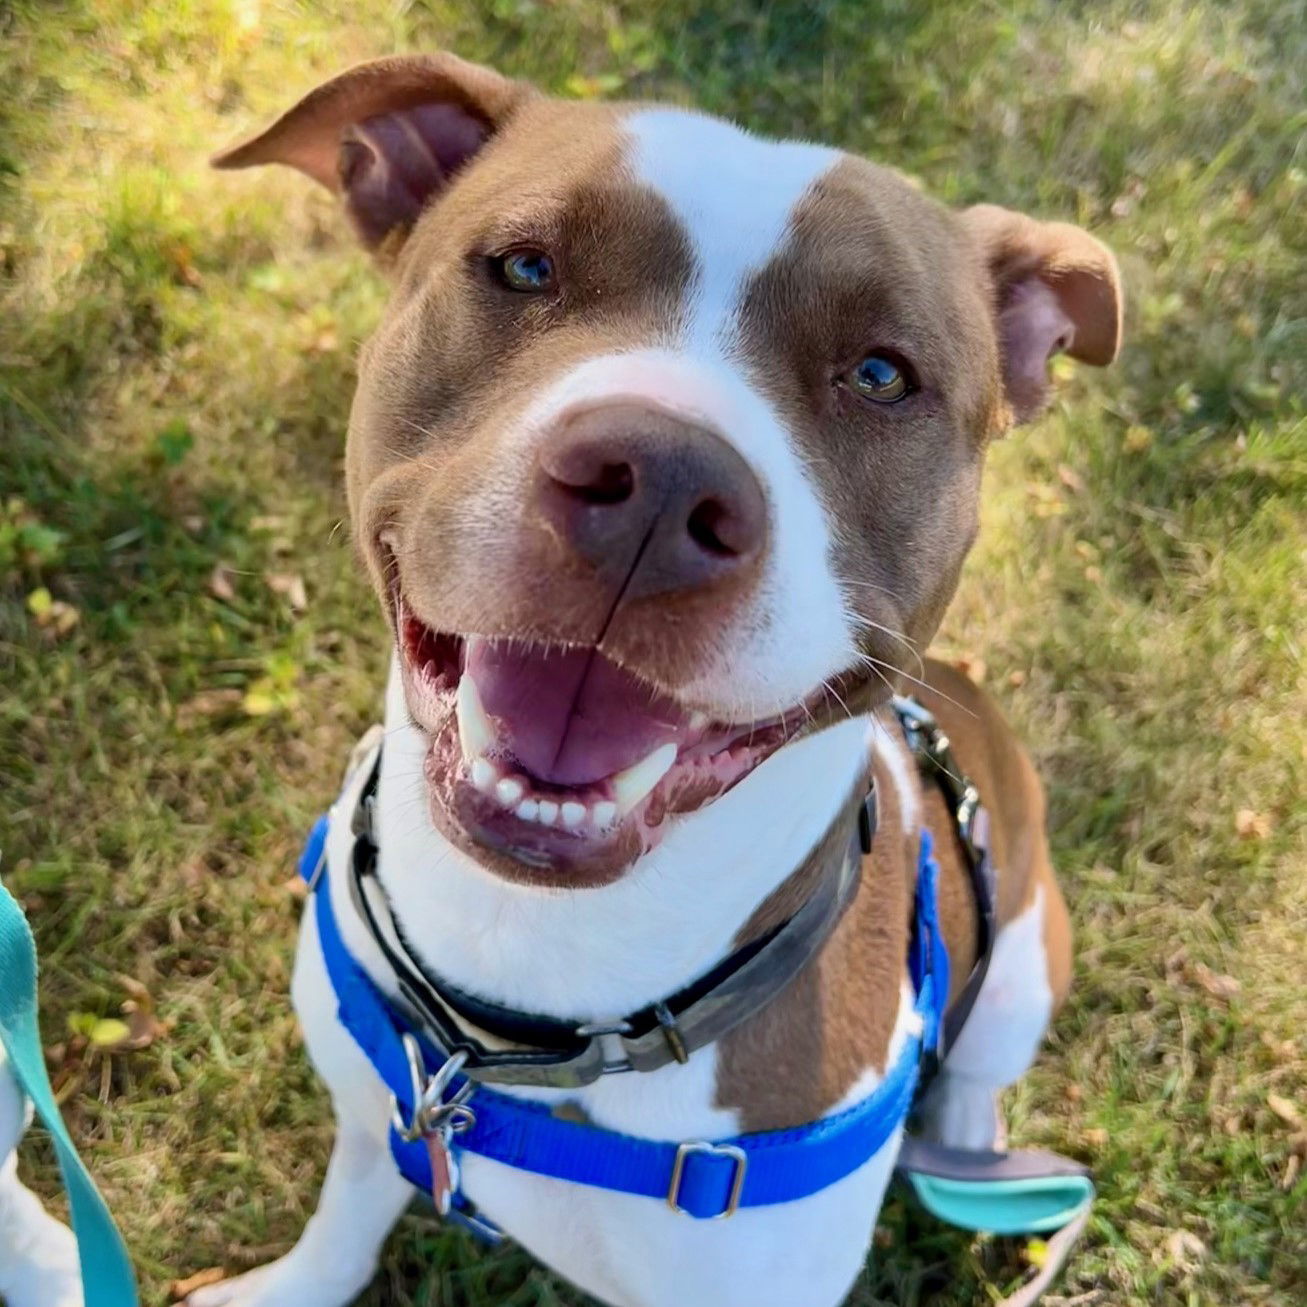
{"x": 799, "y": 1057}
{"x": 801, "y": 1054}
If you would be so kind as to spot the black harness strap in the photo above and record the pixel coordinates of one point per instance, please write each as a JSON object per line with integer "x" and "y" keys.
{"x": 934, "y": 754}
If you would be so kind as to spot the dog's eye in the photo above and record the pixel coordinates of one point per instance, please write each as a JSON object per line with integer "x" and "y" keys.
{"x": 525, "y": 270}
{"x": 881, "y": 379}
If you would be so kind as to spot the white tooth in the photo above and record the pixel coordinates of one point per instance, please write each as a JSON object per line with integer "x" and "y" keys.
{"x": 509, "y": 791}
{"x": 475, "y": 734}
{"x": 698, "y": 720}
{"x": 630, "y": 786}
{"x": 573, "y": 813}
{"x": 605, "y": 813}
{"x": 528, "y": 810}
{"x": 548, "y": 812}
{"x": 484, "y": 774}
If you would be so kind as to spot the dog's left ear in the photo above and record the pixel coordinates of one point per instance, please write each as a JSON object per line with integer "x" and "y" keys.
{"x": 387, "y": 136}
{"x": 1056, "y": 289}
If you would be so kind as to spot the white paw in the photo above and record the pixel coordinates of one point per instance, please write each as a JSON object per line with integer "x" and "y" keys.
{"x": 282, "y": 1284}
{"x": 242, "y": 1291}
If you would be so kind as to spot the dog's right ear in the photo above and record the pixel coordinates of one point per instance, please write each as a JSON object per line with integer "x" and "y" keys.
{"x": 387, "y": 136}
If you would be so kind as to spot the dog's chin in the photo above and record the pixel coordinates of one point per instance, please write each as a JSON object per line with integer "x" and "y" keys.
{"x": 553, "y": 766}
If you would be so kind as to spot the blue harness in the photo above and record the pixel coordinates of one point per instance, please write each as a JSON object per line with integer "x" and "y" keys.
{"x": 441, "y": 1113}
{"x": 703, "y": 1179}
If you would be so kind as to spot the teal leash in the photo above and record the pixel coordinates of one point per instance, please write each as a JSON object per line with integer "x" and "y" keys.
{"x": 107, "y": 1279}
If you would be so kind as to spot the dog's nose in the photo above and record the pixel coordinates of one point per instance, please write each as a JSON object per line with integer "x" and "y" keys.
{"x": 651, "y": 501}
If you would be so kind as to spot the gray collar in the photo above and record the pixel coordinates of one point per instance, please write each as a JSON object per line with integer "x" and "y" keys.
{"x": 507, "y": 1046}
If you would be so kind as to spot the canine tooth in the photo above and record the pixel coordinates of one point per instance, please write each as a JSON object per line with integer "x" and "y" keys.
{"x": 573, "y": 813}
{"x": 548, "y": 812}
{"x": 528, "y": 810}
{"x": 509, "y": 791}
{"x": 605, "y": 813}
{"x": 632, "y": 785}
{"x": 475, "y": 734}
{"x": 698, "y": 720}
{"x": 484, "y": 774}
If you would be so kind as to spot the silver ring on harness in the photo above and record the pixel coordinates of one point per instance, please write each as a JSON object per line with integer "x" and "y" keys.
{"x": 433, "y": 1113}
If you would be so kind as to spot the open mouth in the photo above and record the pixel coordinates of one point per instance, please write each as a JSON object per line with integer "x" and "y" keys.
{"x": 556, "y": 758}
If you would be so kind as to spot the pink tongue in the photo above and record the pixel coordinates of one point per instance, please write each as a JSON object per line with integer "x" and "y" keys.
{"x": 570, "y": 716}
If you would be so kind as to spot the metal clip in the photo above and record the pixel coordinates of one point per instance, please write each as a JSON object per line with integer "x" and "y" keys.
{"x": 671, "y": 1032}
{"x": 433, "y": 1113}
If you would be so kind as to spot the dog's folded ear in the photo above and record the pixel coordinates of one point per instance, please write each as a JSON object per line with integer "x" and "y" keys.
{"x": 1056, "y": 289}
{"x": 386, "y": 136}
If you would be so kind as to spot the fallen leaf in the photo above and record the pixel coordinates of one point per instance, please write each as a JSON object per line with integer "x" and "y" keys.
{"x": 1287, "y": 1111}
{"x": 220, "y": 586}
{"x": 109, "y": 1034}
{"x": 180, "y": 1289}
{"x": 1186, "y": 1249}
{"x": 1070, "y": 478}
{"x": 1219, "y": 986}
{"x": 258, "y": 703}
{"x": 208, "y": 703}
{"x": 1250, "y": 825}
{"x": 143, "y": 1028}
{"x": 291, "y": 587}
{"x": 1291, "y": 1169}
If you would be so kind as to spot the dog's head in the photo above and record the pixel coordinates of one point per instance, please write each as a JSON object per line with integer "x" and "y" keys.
{"x": 668, "y": 446}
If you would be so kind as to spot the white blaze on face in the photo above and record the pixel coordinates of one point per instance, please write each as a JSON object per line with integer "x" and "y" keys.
{"x": 734, "y": 196}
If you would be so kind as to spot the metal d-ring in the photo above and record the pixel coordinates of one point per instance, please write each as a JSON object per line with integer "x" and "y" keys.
{"x": 433, "y": 1113}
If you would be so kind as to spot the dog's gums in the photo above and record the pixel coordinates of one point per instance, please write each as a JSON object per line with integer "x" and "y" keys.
{"x": 556, "y": 757}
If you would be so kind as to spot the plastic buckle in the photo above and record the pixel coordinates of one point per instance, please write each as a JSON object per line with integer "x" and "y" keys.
{"x": 737, "y": 1155}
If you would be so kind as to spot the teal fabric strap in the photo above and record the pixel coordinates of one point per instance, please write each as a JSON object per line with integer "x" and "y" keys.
{"x": 107, "y": 1279}
{"x": 1024, "y": 1192}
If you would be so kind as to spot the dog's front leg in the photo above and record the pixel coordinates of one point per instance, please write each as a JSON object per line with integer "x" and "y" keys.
{"x": 363, "y": 1195}
{"x": 38, "y": 1255}
{"x": 336, "y": 1257}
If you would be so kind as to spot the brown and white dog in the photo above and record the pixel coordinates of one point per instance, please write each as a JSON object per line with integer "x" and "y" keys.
{"x": 663, "y": 460}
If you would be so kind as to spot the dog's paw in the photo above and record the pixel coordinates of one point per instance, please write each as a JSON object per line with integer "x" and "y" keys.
{"x": 246, "y": 1290}
{"x": 285, "y": 1283}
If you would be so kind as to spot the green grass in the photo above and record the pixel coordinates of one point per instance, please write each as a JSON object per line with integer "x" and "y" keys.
{"x": 175, "y": 370}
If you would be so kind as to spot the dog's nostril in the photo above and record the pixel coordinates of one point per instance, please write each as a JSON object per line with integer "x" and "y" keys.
{"x": 610, "y": 483}
{"x": 590, "y": 480}
{"x": 712, "y": 527}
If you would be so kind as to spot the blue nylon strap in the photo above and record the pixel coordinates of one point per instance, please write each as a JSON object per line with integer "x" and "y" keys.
{"x": 107, "y": 1279}
{"x": 782, "y": 1165}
